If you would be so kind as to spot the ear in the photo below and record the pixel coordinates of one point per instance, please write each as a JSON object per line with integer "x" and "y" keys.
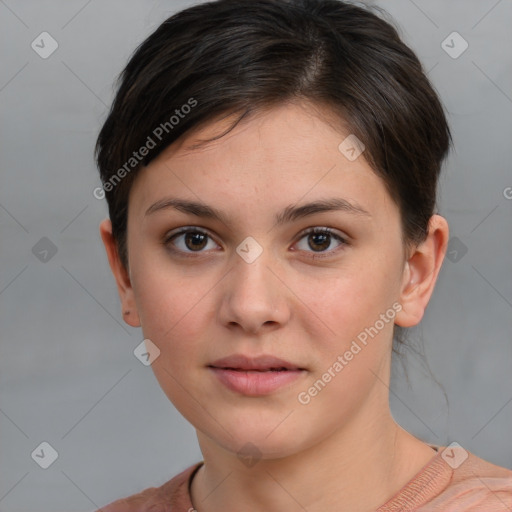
{"x": 124, "y": 287}
{"x": 421, "y": 271}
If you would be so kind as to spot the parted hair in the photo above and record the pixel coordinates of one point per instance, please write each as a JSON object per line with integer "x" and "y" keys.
{"x": 241, "y": 56}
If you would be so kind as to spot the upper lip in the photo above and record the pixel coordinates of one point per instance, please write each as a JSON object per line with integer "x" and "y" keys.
{"x": 263, "y": 362}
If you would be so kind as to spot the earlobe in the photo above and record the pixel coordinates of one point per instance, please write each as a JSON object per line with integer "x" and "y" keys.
{"x": 421, "y": 271}
{"x": 121, "y": 275}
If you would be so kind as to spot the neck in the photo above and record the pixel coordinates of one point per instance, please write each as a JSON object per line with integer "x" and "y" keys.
{"x": 358, "y": 468}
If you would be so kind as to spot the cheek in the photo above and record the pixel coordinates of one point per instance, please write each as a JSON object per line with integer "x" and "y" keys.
{"x": 351, "y": 347}
{"x": 348, "y": 299}
{"x": 175, "y": 315}
{"x": 173, "y": 307}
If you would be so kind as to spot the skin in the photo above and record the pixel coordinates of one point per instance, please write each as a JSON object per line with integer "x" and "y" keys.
{"x": 344, "y": 442}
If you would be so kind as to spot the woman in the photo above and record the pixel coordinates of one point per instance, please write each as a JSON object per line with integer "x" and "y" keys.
{"x": 271, "y": 169}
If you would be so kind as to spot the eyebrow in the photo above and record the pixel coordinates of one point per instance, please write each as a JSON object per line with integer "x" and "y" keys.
{"x": 288, "y": 214}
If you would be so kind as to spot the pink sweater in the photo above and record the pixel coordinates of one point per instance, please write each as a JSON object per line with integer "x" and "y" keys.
{"x": 450, "y": 482}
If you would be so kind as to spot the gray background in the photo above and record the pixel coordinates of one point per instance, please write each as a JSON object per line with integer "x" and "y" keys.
{"x": 67, "y": 370}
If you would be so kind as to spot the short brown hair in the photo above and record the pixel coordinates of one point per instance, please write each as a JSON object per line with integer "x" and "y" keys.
{"x": 234, "y": 56}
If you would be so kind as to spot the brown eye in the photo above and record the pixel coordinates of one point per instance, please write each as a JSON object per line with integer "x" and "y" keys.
{"x": 189, "y": 241}
{"x": 319, "y": 240}
{"x": 195, "y": 240}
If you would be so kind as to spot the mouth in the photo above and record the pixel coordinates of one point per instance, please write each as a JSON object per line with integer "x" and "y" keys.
{"x": 264, "y": 363}
{"x": 255, "y": 376}
{"x": 253, "y": 369}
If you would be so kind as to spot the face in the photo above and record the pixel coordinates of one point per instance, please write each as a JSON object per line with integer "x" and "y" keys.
{"x": 258, "y": 283}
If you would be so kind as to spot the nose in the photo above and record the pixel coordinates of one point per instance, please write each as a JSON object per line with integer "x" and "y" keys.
{"x": 254, "y": 297}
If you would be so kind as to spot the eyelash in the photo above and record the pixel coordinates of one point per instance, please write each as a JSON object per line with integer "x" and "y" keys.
{"x": 315, "y": 255}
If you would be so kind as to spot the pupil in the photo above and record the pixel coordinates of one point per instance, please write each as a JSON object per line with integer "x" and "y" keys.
{"x": 197, "y": 239}
{"x": 323, "y": 236}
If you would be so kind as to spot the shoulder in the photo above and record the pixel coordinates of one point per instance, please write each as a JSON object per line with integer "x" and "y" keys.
{"x": 476, "y": 486}
{"x": 172, "y": 496}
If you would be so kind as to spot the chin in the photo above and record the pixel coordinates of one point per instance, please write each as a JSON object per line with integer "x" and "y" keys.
{"x": 266, "y": 440}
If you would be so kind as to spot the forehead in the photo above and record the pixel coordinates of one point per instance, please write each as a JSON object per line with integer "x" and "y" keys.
{"x": 295, "y": 115}
{"x": 280, "y": 155}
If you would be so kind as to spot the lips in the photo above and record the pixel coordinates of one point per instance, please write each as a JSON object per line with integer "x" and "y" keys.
{"x": 263, "y": 363}
{"x": 255, "y": 376}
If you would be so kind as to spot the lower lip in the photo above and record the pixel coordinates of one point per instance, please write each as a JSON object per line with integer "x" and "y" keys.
{"x": 253, "y": 383}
